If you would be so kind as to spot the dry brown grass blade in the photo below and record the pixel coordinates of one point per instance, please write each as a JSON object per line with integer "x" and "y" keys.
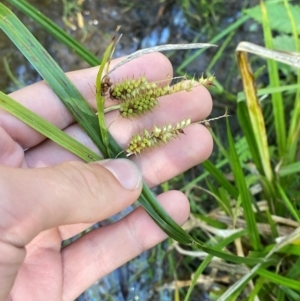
{"x": 289, "y": 58}
{"x": 160, "y": 48}
{"x": 254, "y": 109}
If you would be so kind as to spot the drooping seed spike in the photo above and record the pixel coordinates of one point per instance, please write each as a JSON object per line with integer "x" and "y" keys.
{"x": 132, "y": 88}
{"x": 128, "y": 88}
{"x": 156, "y": 137}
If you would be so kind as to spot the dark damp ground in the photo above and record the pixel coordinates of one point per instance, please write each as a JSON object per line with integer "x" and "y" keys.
{"x": 144, "y": 24}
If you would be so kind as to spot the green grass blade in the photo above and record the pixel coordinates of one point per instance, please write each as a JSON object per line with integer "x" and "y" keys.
{"x": 289, "y": 292}
{"x": 257, "y": 287}
{"x": 210, "y": 221}
{"x": 294, "y": 272}
{"x": 226, "y": 256}
{"x": 277, "y": 101}
{"x": 204, "y": 175}
{"x": 56, "y": 31}
{"x": 10, "y": 74}
{"x": 219, "y": 176}
{"x": 154, "y": 209}
{"x": 294, "y": 130}
{"x": 281, "y": 280}
{"x": 289, "y": 169}
{"x": 47, "y": 129}
{"x": 289, "y": 205}
{"x": 221, "y": 195}
{"x": 208, "y": 259}
{"x": 219, "y": 53}
{"x": 293, "y": 249}
{"x": 100, "y": 99}
{"x": 270, "y": 90}
{"x": 244, "y": 193}
{"x": 245, "y": 122}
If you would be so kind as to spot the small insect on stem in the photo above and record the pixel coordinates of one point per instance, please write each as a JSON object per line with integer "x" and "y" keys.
{"x": 106, "y": 84}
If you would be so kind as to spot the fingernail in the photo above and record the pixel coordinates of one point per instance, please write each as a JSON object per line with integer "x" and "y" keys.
{"x": 125, "y": 171}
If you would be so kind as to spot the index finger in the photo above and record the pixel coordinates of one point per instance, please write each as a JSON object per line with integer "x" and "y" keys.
{"x": 42, "y": 100}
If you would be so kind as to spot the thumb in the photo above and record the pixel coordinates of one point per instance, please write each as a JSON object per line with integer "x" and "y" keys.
{"x": 73, "y": 192}
{"x": 33, "y": 200}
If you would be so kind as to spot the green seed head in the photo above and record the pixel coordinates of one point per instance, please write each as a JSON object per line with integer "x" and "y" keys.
{"x": 137, "y": 106}
{"x": 156, "y": 137}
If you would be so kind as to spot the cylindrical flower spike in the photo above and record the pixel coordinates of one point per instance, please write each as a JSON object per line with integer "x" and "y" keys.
{"x": 128, "y": 88}
{"x": 156, "y": 137}
{"x": 138, "y": 96}
{"x": 137, "y": 106}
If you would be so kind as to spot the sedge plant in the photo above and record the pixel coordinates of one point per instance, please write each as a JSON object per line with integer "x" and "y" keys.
{"x": 245, "y": 229}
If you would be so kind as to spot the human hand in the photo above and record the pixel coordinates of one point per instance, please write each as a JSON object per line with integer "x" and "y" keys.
{"x": 49, "y": 195}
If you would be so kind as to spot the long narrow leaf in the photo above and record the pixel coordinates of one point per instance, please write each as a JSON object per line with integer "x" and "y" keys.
{"x": 219, "y": 176}
{"x": 47, "y": 129}
{"x": 270, "y": 90}
{"x": 245, "y": 122}
{"x": 281, "y": 280}
{"x": 293, "y": 134}
{"x": 244, "y": 193}
{"x": 100, "y": 99}
{"x": 161, "y": 48}
{"x": 208, "y": 259}
{"x": 277, "y": 101}
{"x": 204, "y": 175}
{"x": 289, "y": 169}
{"x": 289, "y": 58}
{"x": 291, "y": 208}
{"x": 255, "y": 111}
